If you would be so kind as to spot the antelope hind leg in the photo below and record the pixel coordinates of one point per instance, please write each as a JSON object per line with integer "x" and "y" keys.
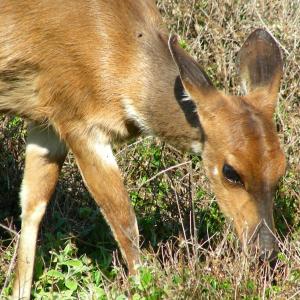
{"x": 45, "y": 154}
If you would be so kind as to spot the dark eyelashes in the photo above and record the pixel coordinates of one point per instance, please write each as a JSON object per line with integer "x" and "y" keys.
{"x": 231, "y": 175}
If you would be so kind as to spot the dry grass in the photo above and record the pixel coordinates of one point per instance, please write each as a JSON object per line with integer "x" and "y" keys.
{"x": 189, "y": 251}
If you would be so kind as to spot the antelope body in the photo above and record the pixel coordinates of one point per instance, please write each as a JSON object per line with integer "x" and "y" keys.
{"x": 86, "y": 74}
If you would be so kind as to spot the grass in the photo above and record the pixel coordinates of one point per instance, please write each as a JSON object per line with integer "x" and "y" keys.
{"x": 189, "y": 251}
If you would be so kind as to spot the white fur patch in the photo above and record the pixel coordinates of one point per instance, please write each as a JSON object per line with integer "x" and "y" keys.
{"x": 215, "y": 171}
{"x": 133, "y": 114}
{"x": 24, "y": 194}
{"x": 44, "y": 141}
{"x": 186, "y": 97}
{"x": 37, "y": 213}
{"x": 196, "y": 147}
{"x": 105, "y": 153}
{"x": 99, "y": 143}
{"x": 37, "y": 149}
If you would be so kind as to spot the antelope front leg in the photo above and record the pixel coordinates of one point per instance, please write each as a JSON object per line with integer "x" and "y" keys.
{"x": 104, "y": 181}
{"x": 45, "y": 154}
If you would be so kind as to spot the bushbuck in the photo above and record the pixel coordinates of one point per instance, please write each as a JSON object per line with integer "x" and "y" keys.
{"x": 86, "y": 74}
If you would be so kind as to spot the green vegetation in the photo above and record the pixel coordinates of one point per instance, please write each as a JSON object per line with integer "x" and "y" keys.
{"x": 189, "y": 251}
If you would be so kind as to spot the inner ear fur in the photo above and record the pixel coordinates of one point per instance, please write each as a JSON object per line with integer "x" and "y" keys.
{"x": 261, "y": 68}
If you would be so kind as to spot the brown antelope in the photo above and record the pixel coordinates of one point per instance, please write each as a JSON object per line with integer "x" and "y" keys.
{"x": 86, "y": 74}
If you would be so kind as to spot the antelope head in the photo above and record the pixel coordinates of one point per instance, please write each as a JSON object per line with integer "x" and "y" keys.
{"x": 241, "y": 150}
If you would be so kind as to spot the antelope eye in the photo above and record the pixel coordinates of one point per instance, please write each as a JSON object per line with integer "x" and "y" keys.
{"x": 231, "y": 174}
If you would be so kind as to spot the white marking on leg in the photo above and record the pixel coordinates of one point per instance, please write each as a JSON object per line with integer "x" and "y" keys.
{"x": 44, "y": 141}
{"x": 106, "y": 154}
{"x": 35, "y": 148}
{"x": 100, "y": 145}
{"x": 38, "y": 211}
{"x": 24, "y": 195}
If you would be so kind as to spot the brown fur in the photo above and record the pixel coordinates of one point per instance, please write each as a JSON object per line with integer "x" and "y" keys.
{"x": 84, "y": 63}
{"x": 97, "y": 71}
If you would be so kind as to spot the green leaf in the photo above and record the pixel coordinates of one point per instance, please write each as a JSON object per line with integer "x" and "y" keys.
{"x": 55, "y": 274}
{"x": 38, "y": 267}
{"x": 137, "y": 297}
{"x": 71, "y": 284}
{"x": 97, "y": 276}
{"x": 73, "y": 263}
{"x": 99, "y": 292}
{"x": 146, "y": 278}
{"x": 182, "y": 43}
{"x": 121, "y": 297}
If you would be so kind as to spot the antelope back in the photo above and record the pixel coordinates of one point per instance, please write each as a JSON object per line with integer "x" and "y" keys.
{"x": 70, "y": 62}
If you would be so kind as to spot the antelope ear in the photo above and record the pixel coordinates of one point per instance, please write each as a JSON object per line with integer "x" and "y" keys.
{"x": 195, "y": 81}
{"x": 260, "y": 68}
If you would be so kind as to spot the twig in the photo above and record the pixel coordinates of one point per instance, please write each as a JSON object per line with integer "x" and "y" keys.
{"x": 164, "y": 171}
{"x": 182, "y": 225}
{"x": 10, "y": 230}
{"x": 294, "y": 296}
{"x": 133, "y": 144}
{"x": 11, "y": 264}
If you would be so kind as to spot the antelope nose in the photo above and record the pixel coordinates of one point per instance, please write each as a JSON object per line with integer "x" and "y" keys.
{"x": 267, "y": 242}
{"x": 268, "y": 246}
